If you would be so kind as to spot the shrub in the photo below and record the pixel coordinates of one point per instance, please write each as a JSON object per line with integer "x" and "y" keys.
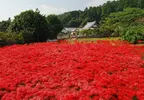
{"x": 13, "y": 38}
{"x": 89, "y": 32}
{"x": 133, "y": 34}
{"x": 31, "y": 20}
{"x": 2, "y": 36}
{"x": 27, "y": 35}
{"x": 128, "y": 24}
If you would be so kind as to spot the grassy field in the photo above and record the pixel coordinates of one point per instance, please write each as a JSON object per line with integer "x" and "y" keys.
{"x": 93, "y": 39}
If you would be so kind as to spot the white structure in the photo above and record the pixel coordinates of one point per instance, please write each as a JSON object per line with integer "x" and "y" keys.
{"x": 74, "y": 31}
{"x": 69, "y": 30}
{"x": 90, "y": 25}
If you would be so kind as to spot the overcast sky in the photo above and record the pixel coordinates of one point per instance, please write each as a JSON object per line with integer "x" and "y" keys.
{"x": 10, "y": 8}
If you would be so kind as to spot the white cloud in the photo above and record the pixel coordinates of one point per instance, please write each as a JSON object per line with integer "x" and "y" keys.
{"x": 97, "y": 2}
{"x": 46, "y": 9}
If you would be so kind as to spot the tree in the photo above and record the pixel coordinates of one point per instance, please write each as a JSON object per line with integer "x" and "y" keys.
{"x": 31, "y": 20}
{"x": 98, "y": 13}
{"x": 4, "y": 25}
{"x": 128, "y": 24}
{"x": 55, "y": 25}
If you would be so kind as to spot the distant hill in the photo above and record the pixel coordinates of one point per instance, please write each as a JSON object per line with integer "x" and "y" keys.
{"x": 97, "y": 13}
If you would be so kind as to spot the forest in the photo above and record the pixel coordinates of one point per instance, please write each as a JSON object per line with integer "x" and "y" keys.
{"x": 30, "y": 26}
{"x": 121, "y": 18}
{"x": 80, "y": 18}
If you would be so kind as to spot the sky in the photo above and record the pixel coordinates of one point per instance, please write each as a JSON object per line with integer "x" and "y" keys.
{"x": 10, "y": 8}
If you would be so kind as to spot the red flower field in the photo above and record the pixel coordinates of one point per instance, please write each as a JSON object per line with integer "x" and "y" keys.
{"x": 106, "y": 70}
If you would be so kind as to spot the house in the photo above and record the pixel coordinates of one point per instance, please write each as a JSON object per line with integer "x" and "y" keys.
{"x": 74, "y": 31}
{"x": 90, "y": 25}
{"x": 68, "y": 32}
{"x": 69, "y": 29}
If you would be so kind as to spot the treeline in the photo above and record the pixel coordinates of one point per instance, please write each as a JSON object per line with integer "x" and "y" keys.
{"x": 127, "y": 24}
{"x": 124, "y": 18}
{"x": 121, "y": 18}
{"x": 28, "y": 27}
{"x": 80, "y": 18}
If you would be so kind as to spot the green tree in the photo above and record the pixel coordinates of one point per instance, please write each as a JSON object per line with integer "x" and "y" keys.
{"x": 31, "y": 20}
{"x": 55, "y": 25}
{"x": 4, "y": 25}
{"x": 98, "y": 13}
{"x": 128, "y": 24}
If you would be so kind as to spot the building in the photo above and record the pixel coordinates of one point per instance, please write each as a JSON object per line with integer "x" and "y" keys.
{"x": 90, "y": 25}
{"x": 74, "y": 31}
{"x": 69, "y": 30}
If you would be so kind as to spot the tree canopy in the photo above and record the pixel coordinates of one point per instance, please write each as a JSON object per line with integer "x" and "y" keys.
{"x": 79, "y": 18}
{"x": 33, "y": 22}
{"x": 55, "y": 25}
{"x": 115, "y": 18}
{"x": 30, "y": 26}
{"x": 128, "y": 23}
{"x": 4, "y": 25}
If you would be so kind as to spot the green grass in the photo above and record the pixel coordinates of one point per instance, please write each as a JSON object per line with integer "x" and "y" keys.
{"x": 95, "y": 39}
{"x": 92, "y": 39}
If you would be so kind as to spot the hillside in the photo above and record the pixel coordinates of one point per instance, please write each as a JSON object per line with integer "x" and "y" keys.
{"x": 79, "y": 18}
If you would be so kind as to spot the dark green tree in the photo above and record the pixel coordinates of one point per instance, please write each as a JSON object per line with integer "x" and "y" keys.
{"x": 69, "y": 19}
{"x": 31, "y": 20}
{"x": 55, "y": 25}
{"x": 128, "y": 24}
{"x": 4, "y": 25}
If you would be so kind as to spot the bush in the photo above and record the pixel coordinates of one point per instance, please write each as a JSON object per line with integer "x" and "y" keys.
{"x": 55, "y": 26}
{"x": 89, "y": 32}
{"x": 133, "y": 34}
{"x": 11, "y": 38}
{"x": 127, "y": 24}
{"x": 2, "y": 36}
{"x": 27, "y": 35}
{"x": 31, "y": 20}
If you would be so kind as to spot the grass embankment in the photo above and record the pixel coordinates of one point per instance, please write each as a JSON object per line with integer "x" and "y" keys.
{"x": 95, "y": 39}
{"x": 92, "y": 39}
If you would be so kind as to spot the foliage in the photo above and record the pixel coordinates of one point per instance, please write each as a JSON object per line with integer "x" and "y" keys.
{"x": 31, "y": 20}
{"x": 27, "y": 35}
{"x": 11, "y": 38}
{"x": 2, "y": 36}
{"x": 113, "y": 16}
{"x": 89, "y": 32}
{"x": 30, "y": 26}
{"x": 4, "y": 25}
{"x": 55, "y": 25}
{"x": 134, "y": 34}
{"x": 78, "y": 18}
{"x": 16, "y": 38}
{"x": 128, "y": 24}
{"x": 71, "y": 19}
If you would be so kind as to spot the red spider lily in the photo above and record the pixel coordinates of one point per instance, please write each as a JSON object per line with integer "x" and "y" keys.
{"x": 102, "y": 70}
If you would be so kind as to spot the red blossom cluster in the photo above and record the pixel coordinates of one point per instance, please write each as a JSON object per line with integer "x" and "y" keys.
{"x": 106, "y": 70}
